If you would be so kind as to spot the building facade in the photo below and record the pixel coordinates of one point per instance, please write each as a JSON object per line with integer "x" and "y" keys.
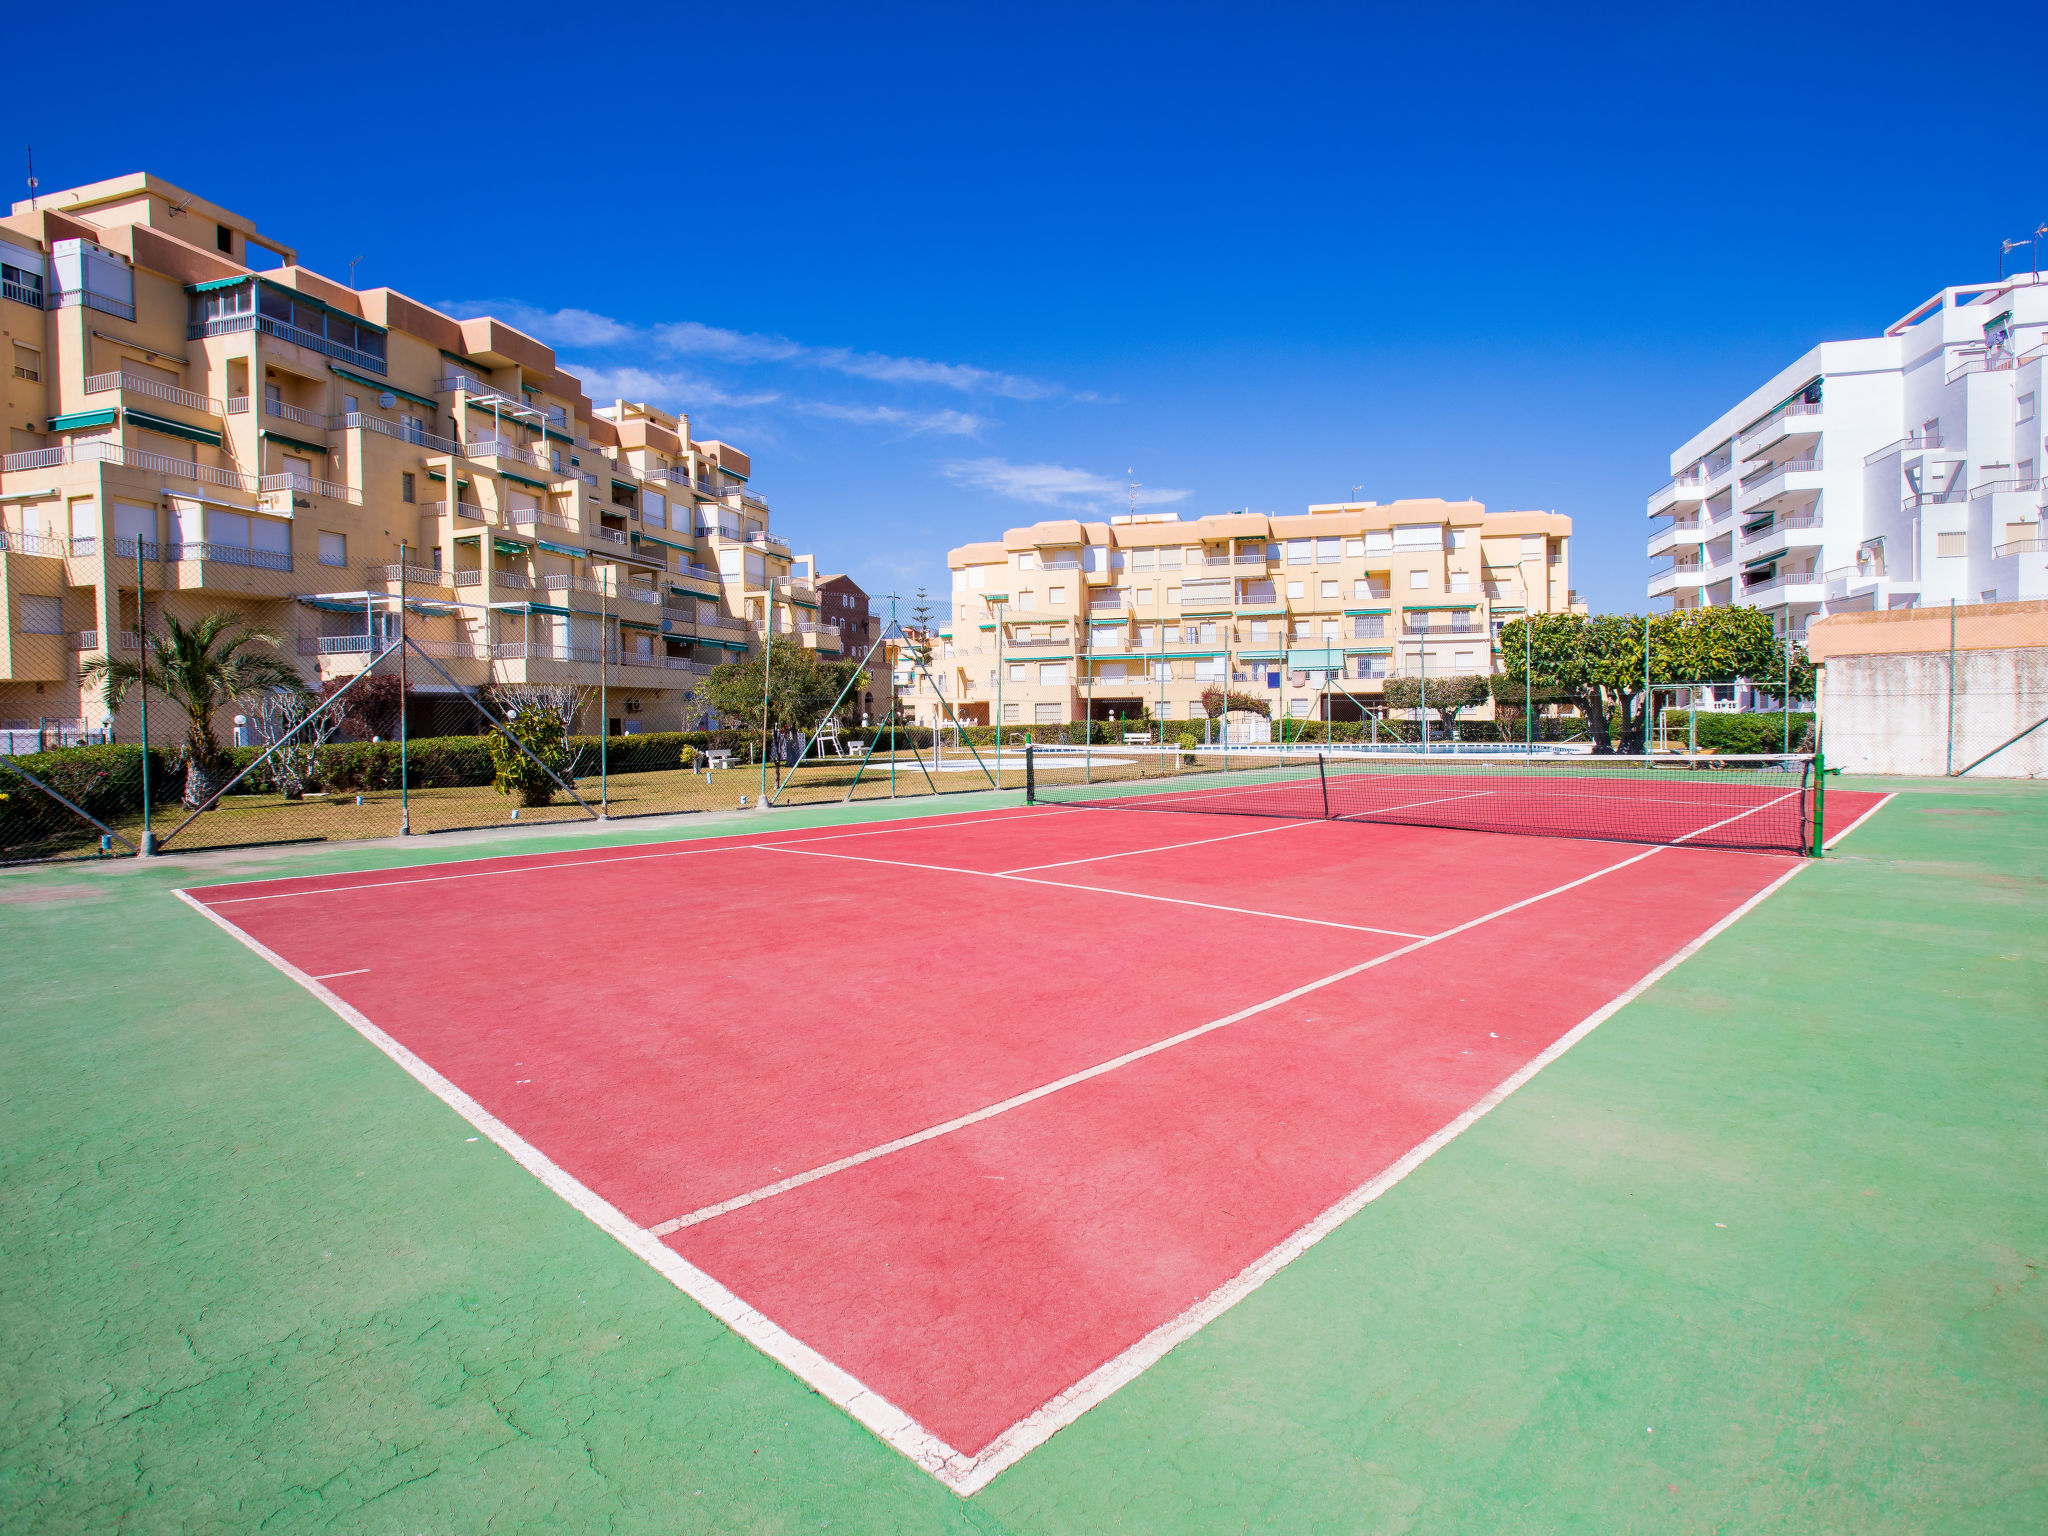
{"x": 187, "y": 399}
{"x": 1139, "y": 615}
{"x": 1888, "y": 472}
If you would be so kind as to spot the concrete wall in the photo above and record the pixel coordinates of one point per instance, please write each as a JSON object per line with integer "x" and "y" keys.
{"x": 1889, "y": 712}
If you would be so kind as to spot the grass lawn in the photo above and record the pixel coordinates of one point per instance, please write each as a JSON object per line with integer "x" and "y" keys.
{"x": 1759, "y": 1254}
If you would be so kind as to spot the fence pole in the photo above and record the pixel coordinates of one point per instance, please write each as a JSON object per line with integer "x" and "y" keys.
{"x": 404, "y": 765}
{"x": 148, "y": 847}
{"x": 604, "y": 713}
{"x": 1949, "y": 768}
{"x": 1820, "y": 800}
{"x": 1528, "y": 684}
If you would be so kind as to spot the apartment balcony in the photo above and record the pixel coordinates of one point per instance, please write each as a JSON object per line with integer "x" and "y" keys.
{"x": 1779, "y": 485}
{"x": 1055, "y": 642}
{"x": 769, "y": 541}
{"x": 2032, "y": 543}
{"x": 1683, "y": 535}
{"x": 100, "y": 451}
{"x": 613, "y": 537}
{"x": 2011, "y": 485}
{"x": 1680, "y": 578}
{"x": 362, "y": 421}
{"x": 727, "y": 627}
{"x": 1788, "y": 589}
{"x": 1797, "y": 420}
{"x": 491, "y": 447}
{"x": 1786, "y": 531}
{"x": 298, "y": 416}
{"x": 1912, "y": 442}
{"x": 697, "y": 578}
{"x": 530, "y": 518}
{"x": 128, "y": 384}
{"x": 409, "y": 575}
{"x": 1679, "y": 490}
{"x": 34, "y": 544}
{"x": 487, "y": 394}
{"x": 291, "y": 486}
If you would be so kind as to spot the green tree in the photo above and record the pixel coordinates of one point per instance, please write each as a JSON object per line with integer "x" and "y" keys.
{"x": 920, "y": 646}
{"x": 1447, "y": 696}
{"x": 199, "y": 667}
{"x": 804, "y": 686}
{"x": 540, "y": 729}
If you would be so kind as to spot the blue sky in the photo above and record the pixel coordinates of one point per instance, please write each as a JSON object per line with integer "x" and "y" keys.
{"x": 944, "y": 269}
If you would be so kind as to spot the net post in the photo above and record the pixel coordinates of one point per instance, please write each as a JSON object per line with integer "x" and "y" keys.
{"x": 1323, "y": 779}
{"x": 1030, "y": 771}
{"x": 1820, "y": 800}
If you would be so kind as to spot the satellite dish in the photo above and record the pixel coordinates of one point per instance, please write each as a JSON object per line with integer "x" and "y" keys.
{"x": 387, "y": 399}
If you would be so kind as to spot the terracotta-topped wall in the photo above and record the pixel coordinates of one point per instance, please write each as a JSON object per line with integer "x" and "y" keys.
{"x": 1899, "y": 631}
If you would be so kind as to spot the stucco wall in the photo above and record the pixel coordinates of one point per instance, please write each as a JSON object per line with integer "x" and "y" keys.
{"x": 1890, "y": 713}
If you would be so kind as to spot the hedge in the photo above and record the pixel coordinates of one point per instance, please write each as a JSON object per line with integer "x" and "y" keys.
{"x": 1738, "y": 735}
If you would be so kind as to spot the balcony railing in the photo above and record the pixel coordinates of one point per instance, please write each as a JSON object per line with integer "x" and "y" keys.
{"x": 769, "y": 540}
{"x": 684, "y": 664}
{"x": 473, "y": 577}
{"x": 295, "y": 413}
{"x": 1910, "y": 443}
{"x": 515, "y": 516}
{"x": 362, "y": 421}
{"x": 502, "y": 448}
{"x": 84, "y": 640}
{"x": 22, "y": 293}
{"x": 2008, "y": 486}
{"x": 2026, "y": 544}
{"x": 727, "y": 624}
{"x": 32, "y": 544}
{"x": 517, "y": 581}
{"x": 232, "y": 324}
{"x": 1795, "y": 408}
{"x": 609, "y": 536}
{"x": 70, "y": 298}
{"x": 1997, "y": 360}
{"x": 238, "y": 405}
{"x": 230, "y": 554}
{"x": 469, "y": 511}
{"x": 99, "y": 450}
{"x": 1784, "y": 520}
{"x": 1943, "y": 498}
{"x": 1789, "y": 466}
{"x": 477, "y": 390}
{"x": 414, "y": 575}
{"x": 128, "y": 383}
{"x": 311, "y": 485}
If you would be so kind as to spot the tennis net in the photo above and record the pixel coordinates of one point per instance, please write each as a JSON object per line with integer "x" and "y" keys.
{"x": 1763, "y": 804}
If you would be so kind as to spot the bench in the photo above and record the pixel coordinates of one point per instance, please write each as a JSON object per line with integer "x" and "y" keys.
{"x": 717, "y": 757}
{"x": 1137, "y": 738}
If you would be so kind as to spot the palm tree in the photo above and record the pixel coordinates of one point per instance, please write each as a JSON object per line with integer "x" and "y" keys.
{"x": 199, "y": 667}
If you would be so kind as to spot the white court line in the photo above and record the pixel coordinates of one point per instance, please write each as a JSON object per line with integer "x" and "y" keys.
{"x": 1100, "y": 890}
{"x": 1388, "y": 810}
{"x": 1888, "y": 795}
{"x": 1097, "y": 858}
{"x": 1006, "y": 813}
{"x": 1086, "y": 1074}
{"x": 336, "y": 975}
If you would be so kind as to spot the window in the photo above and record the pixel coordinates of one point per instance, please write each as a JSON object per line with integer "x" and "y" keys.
{"x": 1144, "y": 597}
{"x": 1951, "y": 546}
{"x": 1027, "y": 599}
{"x": 1027, "y": 561}
{"x": 1379, "y": 543}
{"x": 1418, "y": 581}
{"x": 224, "y": 239}
{"x": 1050, "y": 672}
{"x": 1191, "y": 634}
{"x": 1330, "y": 590}
{"x": 1369, "y": 626}
{"x": 1169, "y": 560}
{"x": 21, "y": 276}
{"x": 1298, "y": 551}
{"x": 408, "y": 489}
{"x": 977, "y": 578}
{"x": 1532, "y": 546}
{"x": 1988, "y": 595}
{"x": 1361, "y": 589}
{"x": 1148, "y": 637}
{"x": 2026, "y": 405}
{"x": 1017, "y": 671}
{"x": 1173, "y": 594}
{"x": 1056, "y": 596}
{"x": 1555, "y": 551}
{"x": 334, "y": 548}
{"x": 1465, "y": 661}
{"x": 39, "y": 615}
{"x": 1012, "y": 713}
{"x": 959, "y": 581}
{"x": 1354, "y": 547}
{"x": 1329, "y": 629}
{"x": 1298, "y": 708}
{"x": 1419, "y": 536}
{"x": 1301, "y": 629}
{"x": 1143, "y": 559}
{"x": 1295, "y": 589}
{"x": 1327, "y": 551}
{"x": 1208, "y": 634}
{"x": 1460, "y": 582}
{"x": 1209, "y": 669}
{"x": 28, "y": 364}
{"x": 1041, "y": 714}
{"x": 1457, "y": 538}
{"x": 1260, "y": 631}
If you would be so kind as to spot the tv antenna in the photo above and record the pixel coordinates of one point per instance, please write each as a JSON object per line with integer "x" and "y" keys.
{"x": 32, "y": 182}
{"x": 1128, "y": 473}
{"x": 352, "y": 272}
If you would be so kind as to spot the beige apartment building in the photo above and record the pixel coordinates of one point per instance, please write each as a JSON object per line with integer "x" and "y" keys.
{"x": 1071, "y": 620}
{"x": 267, "y": 439}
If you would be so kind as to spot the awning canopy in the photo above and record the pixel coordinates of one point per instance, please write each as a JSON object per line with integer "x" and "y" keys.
{"x": 79, "y": 420}
{"x": 508, "y": 547}
{"x": 558, "y": 549}
{"x": 171, "y": 428}
{"x": 383, "y": 388}
{"x": 538, "y": 485}
{"x": 279, "y": 437}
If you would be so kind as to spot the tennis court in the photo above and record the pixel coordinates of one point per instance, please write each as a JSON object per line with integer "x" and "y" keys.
{"x": 968, "y": 1120}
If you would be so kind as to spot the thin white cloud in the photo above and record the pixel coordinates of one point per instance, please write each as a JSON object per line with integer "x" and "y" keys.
{"x": 945, "y": 423}
{"x": 691, "y": 338}
{"x": 1052, "y": 485}
{"x": 669, "y": 390}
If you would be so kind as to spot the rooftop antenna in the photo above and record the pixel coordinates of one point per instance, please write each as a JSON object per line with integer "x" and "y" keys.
{"x": 1134, "y": 491}
{"x": 1357, "y": 491}
{"x": 352, "y": 272}
{"x": 32, "y": 182}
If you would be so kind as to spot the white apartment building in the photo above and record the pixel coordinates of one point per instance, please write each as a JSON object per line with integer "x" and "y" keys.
{"x": 1888, "y": 472}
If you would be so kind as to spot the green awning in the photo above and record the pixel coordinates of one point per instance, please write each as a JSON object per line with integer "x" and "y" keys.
{"x": 1365, "y": 613}
{"x": 538, "y": 485}
{"x": 279, "y": 437}
{"x": 171, "y": 428}
{"x": 1368, "y": 650}
{"x": 507, "y": 547}
{"x": 1262, "y": 613}
{"x": 300, "y": 296}
{"x": 559, "y": 549}
{"x": 1437, "y": 607}
{"x": 1750, "y": 565}
{"x": 652, "y": 629}
{"x": 216, "y": 285}
{"x": 381, "y": 387}
{"x": 561, "y": 613}
{"x": 560, "y": 437}
{"x": 648, "y": 538}
{"x": 1212, "y": 613}
{"x": 1261, "y": 655}
{"x": 435, "y": 474}
{"x": 79, "y": 420}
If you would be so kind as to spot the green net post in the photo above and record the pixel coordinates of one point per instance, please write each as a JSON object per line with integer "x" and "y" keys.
{"x": 1030, "y": 772}
{"x": 1323, "y": 779}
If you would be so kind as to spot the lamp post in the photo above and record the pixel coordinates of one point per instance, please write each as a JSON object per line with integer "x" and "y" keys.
{"x": 995, "y": 601}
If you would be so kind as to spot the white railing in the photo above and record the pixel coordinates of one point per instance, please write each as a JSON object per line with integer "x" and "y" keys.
{"x": 312, "y": 485}
{"x": 362, "y": 421}
{"x": 230, "y": 554}
{"x": 693, "y": 668}
{"x": 469, "y": 578}
{"x": 22, "y": 293}
{"x": 238, "y": 405}
{"x": 334, "y": 645}
{"x": 516, "y": 515}
{"x": 517, "y": 581}
{"x": 695, "y": 573}
{"x": 1908, "y": 443}
{"x": 2010, "y": 485}
{"x": 1794, "y": 408}
{"x": 1790, "y": 466}
{"x": 608, "y": 536}
{"x": 71, "y": 297}
{"x": 731, "y": 625}
{"x": 719, "y": 530}
{"x": 769, "y": 540}
{"x": 32, "y": 544}
{"x": 468, "y": 511}
{"x": 1944, "y": 498}
{"x": 417, "y": 575}
{"x": 1783, "y": 521}
{"x": 85, "y": 640}
{"x": 102, "y": 383}
{"x": 1997, "y": 361}
{"x": 518, "y": 650}
{"x": 99, "y": 450}
{"x": 294, "y": 413}
{"x": 2026, "y": 544}
{"x": 502, "y": 448}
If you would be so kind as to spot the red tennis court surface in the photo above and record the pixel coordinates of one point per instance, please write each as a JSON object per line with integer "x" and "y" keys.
{"x": 969, "y": 1119}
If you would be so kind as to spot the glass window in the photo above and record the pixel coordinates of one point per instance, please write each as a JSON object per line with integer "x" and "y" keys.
{"x": 1298, "y": 551}
{"x": 1143, "y": 559}
{"x": 1330, "y": 590}
{"x": 1012, "y": 713}
{"x": 1294, "y": 589}
{"x": 333, "y": 548}
{"x": 1460, "y": 582}
{"x": 1354, "y": 547}
{"x": 1418, "y": 580}
{"x": 1016, "y": 671}
{"x": 1052, "y": 672}
{"x": 1327, "y": 551}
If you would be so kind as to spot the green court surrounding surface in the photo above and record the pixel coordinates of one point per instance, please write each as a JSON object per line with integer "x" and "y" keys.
{"x": 1761, "y": 1253}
